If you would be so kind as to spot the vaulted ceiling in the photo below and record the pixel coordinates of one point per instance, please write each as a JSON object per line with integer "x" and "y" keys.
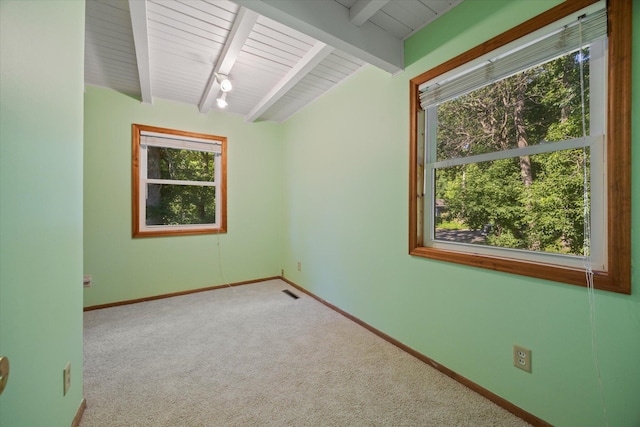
{"x": 280, "y": 55}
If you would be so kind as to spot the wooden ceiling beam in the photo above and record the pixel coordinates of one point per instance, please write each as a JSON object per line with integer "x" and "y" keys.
{"x": 363, "y": 10}
{"x": 328, "y": 22}
{"x": 138, "y": 11}
{"x": 242, "y": 26}
{"x": 313, "y": 57}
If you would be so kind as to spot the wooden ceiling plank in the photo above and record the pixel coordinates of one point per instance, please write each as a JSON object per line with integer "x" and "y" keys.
{"x": 168, "y": 32}
{"x": 188, "y": 15}
{"x": 328, "y": 73}
{"x": 258, "y": 40}
{"x": 258, "y": 63}
{"x": 347, "y": 60}
{"x": 391, "y": 24}
{"x": 273, "y": 53}
{"x": 441, "y": 6}
{"x": 98, "y": 25}
{"x": 328, "y": 22}
{"x": 242, "y": 26}
{"x": 363, "y": 10}
{"x": 411, "y": 13}
{"x": 107, "y": 71}
{"x": 215, "y": 9}
{"x": 180, "y": 26}
{"x": 141, "y": 41}
{"x": 286, "y": 31}
{"x": 339, "y": 65}
{"x": 318, "y": 52}
{"x": 105, "y": 44}
{"x": 436, "y": 8}
{"x": 109, "y": 54}
{"x": 179, "y": 48}
{"x": 277, "y": 36}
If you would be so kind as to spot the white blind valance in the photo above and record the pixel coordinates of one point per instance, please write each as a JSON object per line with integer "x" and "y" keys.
{"x": 549, "y": 46}
{"x": 153, "y": 139}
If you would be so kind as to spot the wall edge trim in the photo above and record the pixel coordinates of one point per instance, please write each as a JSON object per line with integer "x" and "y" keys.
{"x": 177, "y": 294}
{"x": 79, "y": 413}
{"x": 498, "y": 400}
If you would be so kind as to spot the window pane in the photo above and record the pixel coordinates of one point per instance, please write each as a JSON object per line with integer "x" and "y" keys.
{"x": 179, "y": 164}
{"x": 540, "y": 104}
{"x": 180, "y": 204}
{"x": 498, "y": 203}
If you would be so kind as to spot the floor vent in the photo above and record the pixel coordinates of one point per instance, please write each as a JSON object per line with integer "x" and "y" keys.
{"x": 291, "y": 294}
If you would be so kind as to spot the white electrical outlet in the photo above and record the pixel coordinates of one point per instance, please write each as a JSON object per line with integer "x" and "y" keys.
{"x": 299, "y": 266}
{"x": 522, "y": 358}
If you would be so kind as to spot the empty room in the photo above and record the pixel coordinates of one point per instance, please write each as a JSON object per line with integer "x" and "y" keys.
{"x": 319, "y": 212}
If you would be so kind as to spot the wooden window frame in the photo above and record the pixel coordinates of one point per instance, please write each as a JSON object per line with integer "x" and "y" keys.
{"x": 617, "y": 277}
{"x": 221, "y": 196}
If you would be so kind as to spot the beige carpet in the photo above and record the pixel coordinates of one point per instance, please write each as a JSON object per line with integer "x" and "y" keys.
{"x": 253, "y": 356}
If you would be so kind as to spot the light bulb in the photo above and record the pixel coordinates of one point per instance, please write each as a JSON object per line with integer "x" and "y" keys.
{"x": 222, "y": 101}
{"x": 224, "y": 82}
{"x": 225, "y": 85}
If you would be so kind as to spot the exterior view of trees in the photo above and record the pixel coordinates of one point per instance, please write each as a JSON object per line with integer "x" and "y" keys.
{"x": 532, "y": 202}
{"x": 178, "y": 203}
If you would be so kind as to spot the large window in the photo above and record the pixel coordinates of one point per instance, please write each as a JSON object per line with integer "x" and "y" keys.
{"x": 178, "y": 182}
{"x": 516, "y": 155}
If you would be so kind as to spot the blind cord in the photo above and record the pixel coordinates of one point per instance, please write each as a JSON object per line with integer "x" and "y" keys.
{"x": 224, "y": 282}
{"x": 588, "y": 264}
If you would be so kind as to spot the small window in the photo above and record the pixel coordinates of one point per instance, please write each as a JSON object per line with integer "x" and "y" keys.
{"x": 510, "y": 151}
{"x": 179, "y": 182}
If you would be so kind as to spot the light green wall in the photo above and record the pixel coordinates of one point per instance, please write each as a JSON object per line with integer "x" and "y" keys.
{"x": 41, "y": 85}
{"x": 346, "y": 219}
{"x": 489, "y": 17}
{"x": 123, "y": 268}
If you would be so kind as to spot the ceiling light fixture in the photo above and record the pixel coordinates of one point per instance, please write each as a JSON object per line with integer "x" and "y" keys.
{"x": 222, "y": 101}
{"x": 224, "y": 82}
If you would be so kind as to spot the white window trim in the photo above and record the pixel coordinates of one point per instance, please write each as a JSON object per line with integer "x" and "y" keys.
{"x": 596, "y": 141}
{"x": 177, "y": 143}
{"x": 490, "y": 58}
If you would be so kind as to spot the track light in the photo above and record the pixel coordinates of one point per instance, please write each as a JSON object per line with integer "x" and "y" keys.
{"x": 224, "y": 82}
{"x": 222, "y": 101}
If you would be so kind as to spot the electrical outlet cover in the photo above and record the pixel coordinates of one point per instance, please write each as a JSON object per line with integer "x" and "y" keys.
{"x": 522, "y": 358}
{"x": 66, "y": 378}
